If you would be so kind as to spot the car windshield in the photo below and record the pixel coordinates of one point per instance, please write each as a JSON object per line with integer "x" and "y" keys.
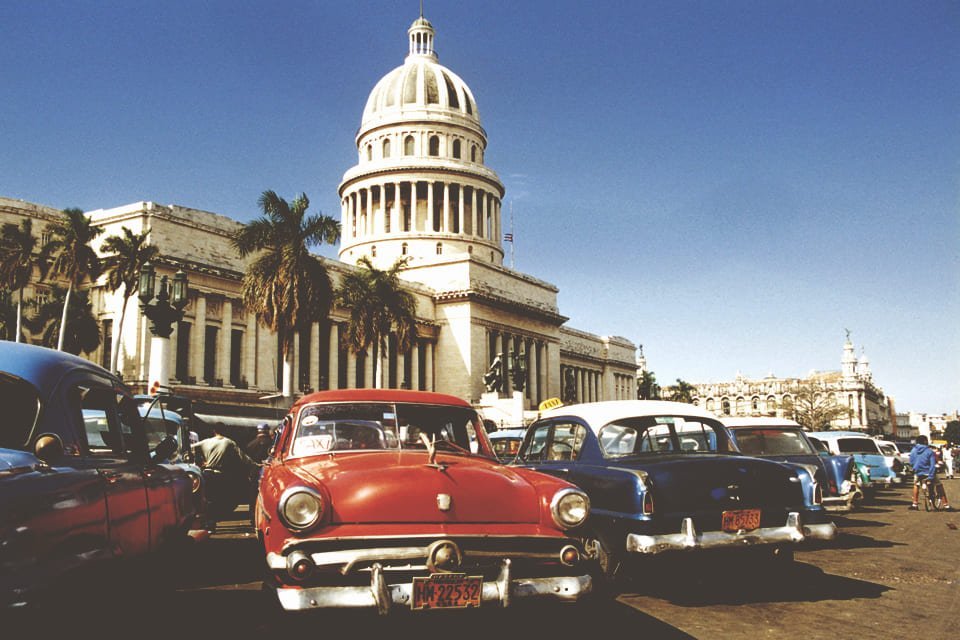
{"x": 661, "y": 434}
{"x": 21, "y": 406}
{"x": 773, "y": 441}
{"x": 351, "y": 426}
{"x": 820, "y": 446}
{"x": 857, "y": 445}
{"x": 506, "y": 448}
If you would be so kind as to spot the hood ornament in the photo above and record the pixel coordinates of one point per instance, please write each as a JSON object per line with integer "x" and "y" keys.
{"x": 431, "y": 446}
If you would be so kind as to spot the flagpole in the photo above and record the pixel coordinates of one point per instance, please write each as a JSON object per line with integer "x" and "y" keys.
{"x": 511, "y": 233}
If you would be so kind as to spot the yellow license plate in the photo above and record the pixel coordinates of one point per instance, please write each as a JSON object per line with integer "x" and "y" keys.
{"x": 446, "y": 591}
{"x": 741, "y": 520}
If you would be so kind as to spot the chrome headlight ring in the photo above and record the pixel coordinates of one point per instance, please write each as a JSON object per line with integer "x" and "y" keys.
{"x": 569, "y": 508}
{"x": 300, "y": 508}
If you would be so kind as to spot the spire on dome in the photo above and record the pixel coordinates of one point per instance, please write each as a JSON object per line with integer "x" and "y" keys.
{"x": 421, "y": 37}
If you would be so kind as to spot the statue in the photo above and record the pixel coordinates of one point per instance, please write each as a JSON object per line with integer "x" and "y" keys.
{"x": 493, "y": 378}
{"x": 519, "y": 371}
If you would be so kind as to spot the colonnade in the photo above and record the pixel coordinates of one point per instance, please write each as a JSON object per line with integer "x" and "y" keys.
{"x": 534, "y": 355}
{"x": 420, "y": 206}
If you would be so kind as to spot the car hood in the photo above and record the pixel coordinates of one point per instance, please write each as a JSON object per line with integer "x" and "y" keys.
{"x": 702, "y": 481}
{"x": 400, "y": 487}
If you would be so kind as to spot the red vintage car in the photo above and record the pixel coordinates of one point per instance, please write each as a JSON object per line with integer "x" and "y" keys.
{"x": 383, "y": 498}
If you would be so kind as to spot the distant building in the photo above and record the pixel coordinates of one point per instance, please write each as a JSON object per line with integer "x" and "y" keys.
{"x": 851, "y": 387}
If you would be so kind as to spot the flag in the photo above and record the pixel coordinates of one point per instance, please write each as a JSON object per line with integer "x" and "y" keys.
{"x": 508, "y": 237}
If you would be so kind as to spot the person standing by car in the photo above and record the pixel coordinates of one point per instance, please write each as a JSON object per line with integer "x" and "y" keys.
{"x": 259, "y": 448}
{"x": 924, "y": 463}
{"x": 948, "y": 461}
{"x": 227, "y": 471}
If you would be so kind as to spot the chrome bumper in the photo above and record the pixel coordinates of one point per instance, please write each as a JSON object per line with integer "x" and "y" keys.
{"x": 382, "y": 596}
{"x": 839, "y": 504}
{"x": 689, "y": 538}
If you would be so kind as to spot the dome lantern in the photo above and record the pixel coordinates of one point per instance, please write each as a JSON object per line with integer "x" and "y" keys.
{"x": 421, "y": 38}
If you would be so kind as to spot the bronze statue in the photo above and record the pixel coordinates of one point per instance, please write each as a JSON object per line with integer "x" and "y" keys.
{"x": 493, "y": 378}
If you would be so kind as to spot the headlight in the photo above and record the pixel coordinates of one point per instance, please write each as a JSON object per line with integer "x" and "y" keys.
{"x": 300, "y": 508}
{"x": 569, "y": 508}
{"x": 195, "y": 481}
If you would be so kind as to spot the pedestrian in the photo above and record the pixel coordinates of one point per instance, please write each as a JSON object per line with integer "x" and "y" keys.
{"x": 259, "y": 448}
{"x": 924, "y": 463}
{"x": 948, "y": 461}
{"x": 226, "y": 470}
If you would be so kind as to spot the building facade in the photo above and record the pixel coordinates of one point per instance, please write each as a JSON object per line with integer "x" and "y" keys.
{"x": 852, "y": 388}
{"x": 420, "y": 191}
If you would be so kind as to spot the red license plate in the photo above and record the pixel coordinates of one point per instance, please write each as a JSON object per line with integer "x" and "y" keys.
{"x": 447, "y": 591}
{"x": 741, "y": 520}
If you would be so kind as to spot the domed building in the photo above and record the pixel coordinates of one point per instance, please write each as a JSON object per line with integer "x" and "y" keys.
{"x": 420, "y": 192}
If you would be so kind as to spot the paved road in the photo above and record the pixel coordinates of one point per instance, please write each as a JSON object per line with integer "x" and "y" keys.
{"x": 888, "y": 572}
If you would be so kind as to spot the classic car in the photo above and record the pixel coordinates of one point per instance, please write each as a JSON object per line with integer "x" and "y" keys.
{"x": 784, "y": 440}
{"x": 893, "y": 457}
{"x": 666, "y": 477}
{"x": 78, "y": 483}
{"x": 387, "y": 499}
{"x": 506, "y": 443}
{"x": 865, "y": 451}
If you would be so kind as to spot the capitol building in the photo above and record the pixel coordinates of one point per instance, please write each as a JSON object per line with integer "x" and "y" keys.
{"x": 420, "y": 190}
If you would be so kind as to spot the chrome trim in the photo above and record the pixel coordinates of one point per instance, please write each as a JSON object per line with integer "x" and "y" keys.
{"x": 555, "y": 502}
{"x": 382, "y": 596}
{"x": 282, "y": 503}
{"x": 688, "y": 538}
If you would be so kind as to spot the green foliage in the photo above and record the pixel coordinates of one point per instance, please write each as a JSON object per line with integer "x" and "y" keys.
{"x": 126, "y": 255}
{"x": 812, "y": 408}
{"x": 18, "y": 256}
{"x": 647, "y": 387}
{"x": 682, "y": 391}
{"x": 83, "y": 332}
{"x": 952, "y": 432}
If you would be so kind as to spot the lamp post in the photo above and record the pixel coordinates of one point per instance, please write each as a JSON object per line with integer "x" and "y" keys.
{"x": 162, "y": 310}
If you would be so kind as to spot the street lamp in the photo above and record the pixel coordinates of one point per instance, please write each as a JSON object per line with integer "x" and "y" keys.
{"x": 162, "y": 311}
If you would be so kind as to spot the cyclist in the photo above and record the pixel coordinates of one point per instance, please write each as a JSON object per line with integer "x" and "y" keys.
{"x": 924, "y": 463}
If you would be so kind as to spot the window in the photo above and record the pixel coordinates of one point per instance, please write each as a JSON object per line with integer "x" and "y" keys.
{"x": 473, "y": 153}
{"x": 456, "y": 149}
{"x": 408, "y": 146}
{"x": 21, "y": 406}
{"x": 403, "y": 249}
{"x": 373, "y": 251}
{"x": 555, "y": 442}
{"x": 111, "y": 422}
{"x": 434, "y": 145}
{"x": 369, "y": 152}
{"x": 439, "y": 248}
{"x": 106, "y": 339}
{"x": 755, "y": 404}
{"x": 658, "y": 434}
{"x": 386, "y": 148}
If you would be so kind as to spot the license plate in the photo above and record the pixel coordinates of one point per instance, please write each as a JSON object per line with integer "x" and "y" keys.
{"x": 743, "y": 519}
{"x": 447, "y": 591}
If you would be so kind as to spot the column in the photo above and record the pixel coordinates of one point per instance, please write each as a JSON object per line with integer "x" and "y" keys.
{"x": 445, "y": 223}
{"x": 413, "y": 206}
{"x": 226, "y": 335}
{"x": 351, "y": 370}
{"x": 344, "y": 222}
{"x": 333, "y": 368}
{"x": 249, "y": 369}
{"x": 198, "y": 334}
{"x": 462, "y": 220}
{"x": 401, "y": 367}
{"x": 315, "y": 356}
{"x": 429, "y": 219}
{"x": 295, "y": 364}
{"x": 395, "y": 219}
{"x": 383, "y": 227}
{"x": 415, "y": 365}
{"x": 429, "y": 365}
{"x": 368, "y": 369}
{"x": 473, "y": 211}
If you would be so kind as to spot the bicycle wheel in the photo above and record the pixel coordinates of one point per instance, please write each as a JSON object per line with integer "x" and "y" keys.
{"x": 927, "y": 502}
{"x": 932, "y": 498}
{"x": 938, "y": 498}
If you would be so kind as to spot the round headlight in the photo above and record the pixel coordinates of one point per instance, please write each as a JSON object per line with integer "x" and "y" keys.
{"x": 300, "y": 508}
{"x": 570, "y": 507}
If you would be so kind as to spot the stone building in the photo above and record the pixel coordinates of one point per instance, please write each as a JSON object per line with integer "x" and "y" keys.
{"x": 420, "y": 190}
{"x": 851, "y": 387}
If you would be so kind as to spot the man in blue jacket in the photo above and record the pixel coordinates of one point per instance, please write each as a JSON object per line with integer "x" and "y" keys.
{"x": 924, "y": 463}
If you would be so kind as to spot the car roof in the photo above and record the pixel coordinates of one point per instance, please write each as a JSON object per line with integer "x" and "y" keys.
{"x": 381, "y": 395}
{"x": 507, "y": 433}
{"x": 597, "y": 414}
{"x": 43, "y": 367}
{"x": 758, "y": 421}
{"x": 833, "y": 435}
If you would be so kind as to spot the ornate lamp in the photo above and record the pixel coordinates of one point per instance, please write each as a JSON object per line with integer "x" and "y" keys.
{"x": 162, "y": 311}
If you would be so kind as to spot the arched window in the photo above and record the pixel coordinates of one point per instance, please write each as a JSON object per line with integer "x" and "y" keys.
{"x": 470, "y": 249}
{"x": 386, "y": 148}
{"x": 439, "y": 248}
{"x": 710, "y": 404}
{"x": 755, "y": 404}
{"x": 473, "y": 153}
{"x": 434, "y": 145}
{"x": 771, "y": 405}
{"x": 403, "y": 249}
{"x": 741, "y": 405}
{"x": 456, "y": 149}
{"x": 369, "y": 152}
{"x": 373, "y": 251}
{"x": 725, "y": 406}
{"x": 408, "y": 146}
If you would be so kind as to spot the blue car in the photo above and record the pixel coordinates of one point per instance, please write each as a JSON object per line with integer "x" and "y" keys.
{"x": 79, "y": 482}
{"x": 865, "y": 452}
{"x": 784, "y": 440}
{"x": 667, "y": 478}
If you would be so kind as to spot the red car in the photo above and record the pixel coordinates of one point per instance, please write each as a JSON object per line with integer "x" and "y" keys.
{"x": 379, "y": 499}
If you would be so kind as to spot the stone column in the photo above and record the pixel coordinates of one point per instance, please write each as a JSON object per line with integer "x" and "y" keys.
{"x": 351, "y": 370}
{"x": 226, "y": 342}
{"x": 295, "y": 365}
{"x": 415, "y": 365}
{"x": 368, "y": 368}
{"x": 429, "y": 366}
{"x": 401, "y": 367}
{"x": 383, "y": 227}
{"x": 413, "y": 206}
{"x": 429, "y": 219}
{"x": 315, "y": 356}
{"x": 395, "y": 219}
{"x": 333, "y": 368}
{"x": 198, "y": 335}
{"x": 461, "y": 218}
{"x": 250, "y": 350}
{"x": 445, "y": 222}
{"x": 473, "y": 211}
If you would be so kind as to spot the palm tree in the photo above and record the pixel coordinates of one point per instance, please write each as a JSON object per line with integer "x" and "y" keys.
{"x": 17, "y": 248}
{"x": 377, "y": 302}
{"x": 127, "y": 253}
{"x": 9, "y": 318}
{"x": 83, "y": 332}
{"x": 285, "y": 286}
{"x": 71, "y": 255}
{"x": 682, "y": 391}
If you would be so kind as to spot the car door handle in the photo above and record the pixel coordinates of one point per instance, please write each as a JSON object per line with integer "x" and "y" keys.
{"x": 111, "y": 476}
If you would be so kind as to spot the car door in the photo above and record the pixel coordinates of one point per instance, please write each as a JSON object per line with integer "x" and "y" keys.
{"x": 113, "y": 454}
{"x": 554, "y": 447}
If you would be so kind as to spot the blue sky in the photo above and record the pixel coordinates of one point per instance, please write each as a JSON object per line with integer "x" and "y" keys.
{"x": 731, "y": 184}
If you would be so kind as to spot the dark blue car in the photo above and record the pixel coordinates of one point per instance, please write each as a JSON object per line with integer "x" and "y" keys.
{"x": 666, "y": 477}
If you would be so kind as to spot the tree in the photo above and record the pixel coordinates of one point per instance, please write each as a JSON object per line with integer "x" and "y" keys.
{"x": 127, "y": 253}
{"x": 682, "y": 391}
{"x": 83, "y": 332}
{"x": 286, "y": 287}
{"x": 9, "y": 317}
{"x": 952, "y": 432}
{"x": 647, "y": 388}
{"x": 71, "y": 256}
{"x": 377, "y": 303}
{"x": 18, "y": 247}
{"x": 813, "y": 409}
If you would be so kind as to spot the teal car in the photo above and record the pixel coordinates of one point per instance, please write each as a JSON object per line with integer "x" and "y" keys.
{"x": 871, "y": 464}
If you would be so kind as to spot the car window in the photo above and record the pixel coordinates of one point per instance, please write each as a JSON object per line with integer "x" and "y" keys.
{"x": 557, "y": 441}
{"x": 759, "y": 442}
{"x": 819, "y": 445}
{"x": 644, "y": 435}
{"x": 21, "y": 407}
{"x": 857, "y": 445}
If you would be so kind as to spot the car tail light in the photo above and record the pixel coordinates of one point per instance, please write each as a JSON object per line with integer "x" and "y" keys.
{"x": 817, "y": 494}
{"x": 648, "y": 504}
{"x": 833, "y": 487}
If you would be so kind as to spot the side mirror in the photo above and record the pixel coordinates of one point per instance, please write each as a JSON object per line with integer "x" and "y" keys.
{"x": 165, "y": 449}
{"x": 49, "y": 448}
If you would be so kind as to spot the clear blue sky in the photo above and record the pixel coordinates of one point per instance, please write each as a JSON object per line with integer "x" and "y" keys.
{"x": 731, "y": 184}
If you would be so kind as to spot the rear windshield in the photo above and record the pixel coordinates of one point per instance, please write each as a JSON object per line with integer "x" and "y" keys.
{"x": 661, "y": 434}
{"x": 351, "y": 426}
{"x": 857, "y": 445}
{"x": 21, "y": 407}
{"x": 764, "y": 442}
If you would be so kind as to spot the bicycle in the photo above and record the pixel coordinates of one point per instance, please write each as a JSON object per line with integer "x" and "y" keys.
{"x": 933, "y": 495}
